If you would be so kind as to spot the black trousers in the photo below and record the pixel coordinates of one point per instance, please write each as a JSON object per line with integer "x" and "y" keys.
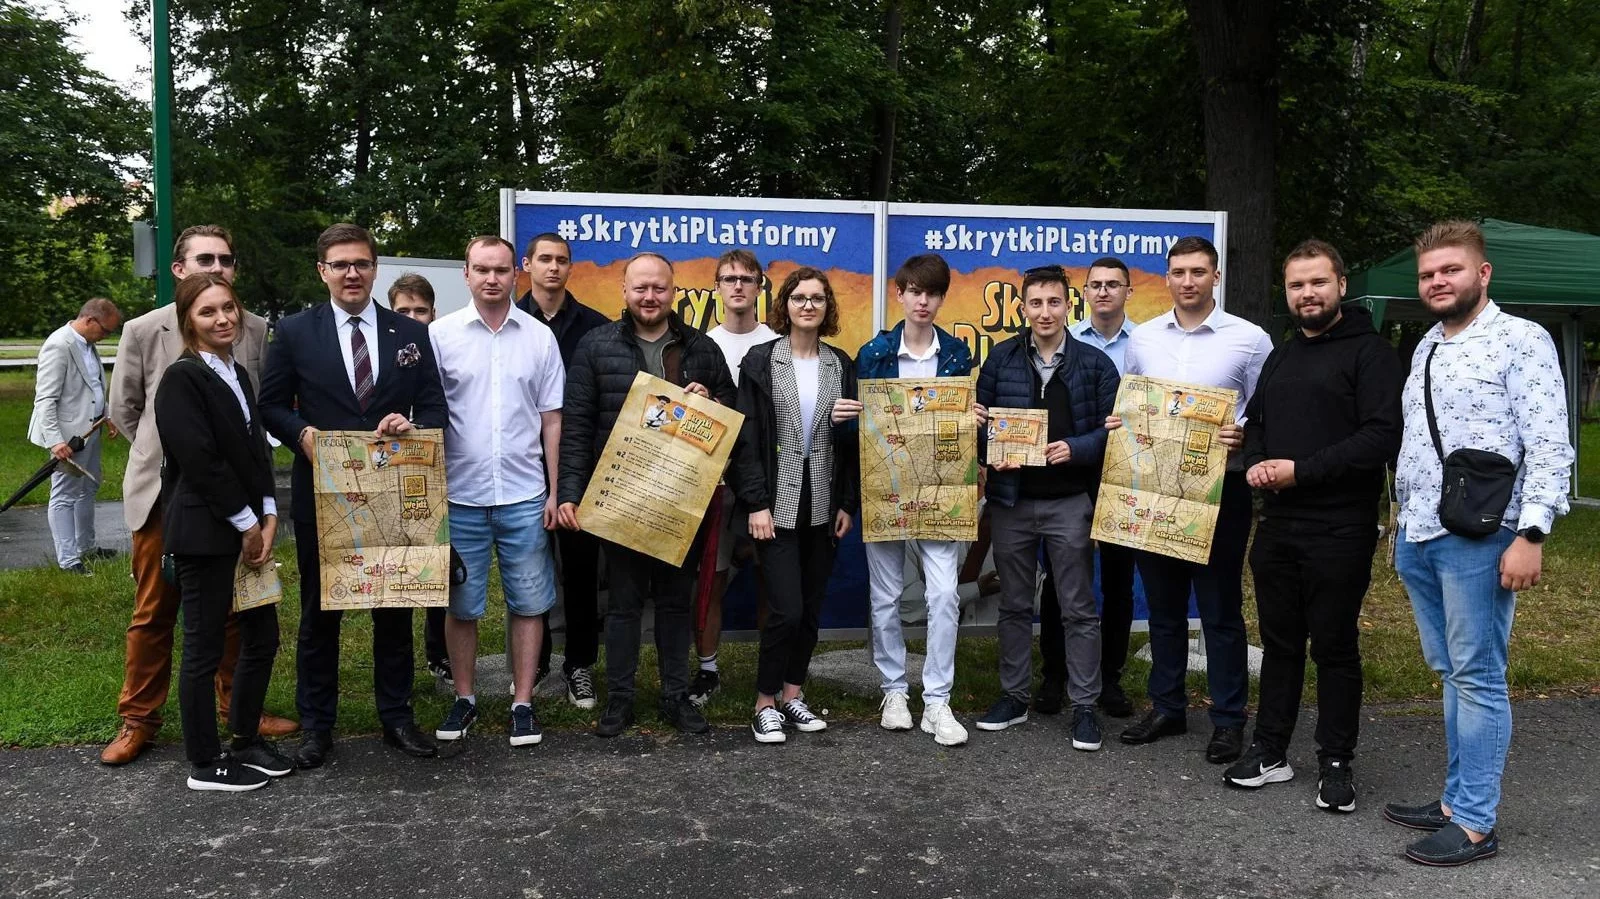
{"x": 317, "y": 652}
{"x": 580, "y": 589}
{"x": 1116, "y": 617}
{"x": 205, "y": 590}
{"x": 796, "y": 564}
{"x": 1310, "y": 580}
{"x": 636, "y": 578}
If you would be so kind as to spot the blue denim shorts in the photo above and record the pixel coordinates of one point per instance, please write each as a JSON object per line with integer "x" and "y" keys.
{"x": 527, "y": 569}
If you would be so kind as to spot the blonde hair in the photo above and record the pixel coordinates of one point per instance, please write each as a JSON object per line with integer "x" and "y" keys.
{"x": 1452, "y": 233}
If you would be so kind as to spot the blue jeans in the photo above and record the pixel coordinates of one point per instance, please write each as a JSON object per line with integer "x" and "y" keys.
{"x": 527, "y": 569}
{"x": 1464, "y": 621}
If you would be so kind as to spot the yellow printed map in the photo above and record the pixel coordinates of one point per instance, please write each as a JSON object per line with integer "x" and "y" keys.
{"x": 383, "y": 527}
{"x": 1162, "y": 481}
{"x": 919, "y": 460}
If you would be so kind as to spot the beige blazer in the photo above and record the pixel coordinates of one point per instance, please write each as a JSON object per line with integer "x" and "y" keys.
{"x": 149, "y": 344}
{"x": 63, "y": 395}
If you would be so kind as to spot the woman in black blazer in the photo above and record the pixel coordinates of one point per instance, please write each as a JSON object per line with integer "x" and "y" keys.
{"x": 795, "y": 472}
{"x": 216, "y": 488}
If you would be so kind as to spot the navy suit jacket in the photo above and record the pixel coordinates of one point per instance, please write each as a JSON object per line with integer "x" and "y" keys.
{"x": 305, "y": 383}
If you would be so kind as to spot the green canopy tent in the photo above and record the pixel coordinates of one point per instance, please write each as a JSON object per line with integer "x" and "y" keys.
{"x": 1544, "y": 274}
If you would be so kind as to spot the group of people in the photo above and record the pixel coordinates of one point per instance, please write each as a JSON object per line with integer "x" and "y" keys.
{"x": 528, "y": 389}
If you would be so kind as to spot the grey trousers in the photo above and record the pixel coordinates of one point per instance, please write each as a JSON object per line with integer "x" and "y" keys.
{"x": 1061, "y": 526}
{"x": 71, "y": 510}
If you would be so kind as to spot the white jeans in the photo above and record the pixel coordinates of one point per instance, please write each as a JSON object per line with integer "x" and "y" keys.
{"x": 941, "y": 560}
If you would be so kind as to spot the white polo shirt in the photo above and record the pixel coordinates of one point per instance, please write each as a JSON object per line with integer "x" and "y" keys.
{"x": 497, "y": 384}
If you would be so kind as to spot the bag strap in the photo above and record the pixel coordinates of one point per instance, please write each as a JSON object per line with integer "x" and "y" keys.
{"x": 1427, "y": 397}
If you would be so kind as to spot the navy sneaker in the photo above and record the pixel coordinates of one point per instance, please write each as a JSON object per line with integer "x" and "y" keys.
{"x": 456, "y": 724}
{"x": 1005, "y": 712}
{"x": 1085, "y": 728}
{"x": 524, "y": 726}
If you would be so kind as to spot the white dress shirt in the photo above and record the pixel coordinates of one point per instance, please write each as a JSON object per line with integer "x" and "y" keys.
{"x": 369, "y": 330}
{"x": 95, "y": 370}
{"x": 497, "y": 384}
{"x": 1497, "y": 386}
{"x": 244, "y": 519}
{"x": 912, "y": 365}
{"x": 1222, "y": 351}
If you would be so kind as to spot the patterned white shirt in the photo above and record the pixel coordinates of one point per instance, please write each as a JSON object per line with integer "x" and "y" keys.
{"x": 1497, "y": 386}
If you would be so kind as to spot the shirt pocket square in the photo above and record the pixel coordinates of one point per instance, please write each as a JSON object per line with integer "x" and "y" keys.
{"x": 408, "y": 356}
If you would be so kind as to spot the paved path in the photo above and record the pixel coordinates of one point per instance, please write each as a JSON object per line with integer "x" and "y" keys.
{"x": 851, "y": 812}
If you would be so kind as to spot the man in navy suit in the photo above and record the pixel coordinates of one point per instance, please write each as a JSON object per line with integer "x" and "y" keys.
{"x": 347, "y": 365}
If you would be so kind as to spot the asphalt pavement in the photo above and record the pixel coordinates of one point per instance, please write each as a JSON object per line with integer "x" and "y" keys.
{"x": 851, "y": 812}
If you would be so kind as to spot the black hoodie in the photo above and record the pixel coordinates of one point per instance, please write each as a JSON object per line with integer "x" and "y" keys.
{"x": 1330, "y": 404}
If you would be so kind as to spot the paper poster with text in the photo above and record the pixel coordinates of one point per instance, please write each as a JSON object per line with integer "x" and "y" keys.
{"x": 990, "y": 247}
{"x": 841, "y": 239}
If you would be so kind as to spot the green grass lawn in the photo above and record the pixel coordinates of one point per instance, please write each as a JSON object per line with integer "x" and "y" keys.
{"x": 61, "y": 646}
{"x": 19, "y": 458}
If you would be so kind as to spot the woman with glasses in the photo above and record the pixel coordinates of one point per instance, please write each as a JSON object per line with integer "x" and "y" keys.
{"x": 217, "y": 491}
{"x": 795, "y": 473}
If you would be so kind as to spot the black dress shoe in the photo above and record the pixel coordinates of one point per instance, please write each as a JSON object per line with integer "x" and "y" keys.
{"x": 313, "y": 749}
{"x": 1227, "y": 744}
{"x": 409, "y": 739}
{"x": 1154, "y": 726}
{"x": 684, "y": 715}
{"x": 1048, "y": 701}
{"x": 617, "y": 717}
{"x": 1449, "y": 846}
{"x": 1417, "y": 817}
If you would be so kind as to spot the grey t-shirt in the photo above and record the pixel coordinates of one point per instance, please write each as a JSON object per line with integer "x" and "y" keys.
{"x": 654, "y": 351}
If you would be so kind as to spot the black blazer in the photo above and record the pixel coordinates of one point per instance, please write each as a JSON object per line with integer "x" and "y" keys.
{"x": 305, "y": 383}
{"x": 215, "y": 465}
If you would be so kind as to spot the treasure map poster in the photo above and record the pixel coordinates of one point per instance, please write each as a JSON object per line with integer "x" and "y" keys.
{"x": 654, "y": 480}
{"x": 383, "y": 527}
{"x": 1161, "y": 484}
{"x": 1016, "y": 436}
{"x": 919, "y": 460}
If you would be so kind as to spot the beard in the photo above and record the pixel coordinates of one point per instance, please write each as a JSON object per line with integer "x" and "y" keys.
{"x": 1316, "y": 322}
{"x": 1466, "y": 301}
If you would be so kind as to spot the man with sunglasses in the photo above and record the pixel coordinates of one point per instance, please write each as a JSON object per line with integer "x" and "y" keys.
{"x": 548, "y": 262}
{"x": 69, "y": 397}
{"x": 739, "y": 277}
{"x": 149, "y": 344}
{"x": 350, "y": 365}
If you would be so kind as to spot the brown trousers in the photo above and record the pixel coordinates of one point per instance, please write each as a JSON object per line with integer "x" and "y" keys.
{"x": 147, "y": 674}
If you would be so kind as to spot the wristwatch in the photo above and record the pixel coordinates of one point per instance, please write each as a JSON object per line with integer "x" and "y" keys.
{"x": 1532, "y": 534}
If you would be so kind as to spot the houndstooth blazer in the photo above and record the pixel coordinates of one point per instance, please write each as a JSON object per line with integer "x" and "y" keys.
{"x": 786, "y": 511}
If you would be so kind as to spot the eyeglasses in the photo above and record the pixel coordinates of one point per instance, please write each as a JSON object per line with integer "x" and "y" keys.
{"x": 206, "y": 260}
{"x": 102, "y": 325}
{"x": 731, "y": 280}
{"x": 1109, "y": 286}
{"x": 340, "y": 266}
{"x": 816, "y": 301}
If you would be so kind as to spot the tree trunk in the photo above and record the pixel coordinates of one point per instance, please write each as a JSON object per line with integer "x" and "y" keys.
{"x": 1236, "y": 43}
{"x": 883, "y": 157}
{"x": 1468, "y": 58}
{"x": 361, "y": 41}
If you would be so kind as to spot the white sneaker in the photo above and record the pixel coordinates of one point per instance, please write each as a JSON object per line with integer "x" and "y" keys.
{"x": 937, "y": 719}
{"x": 896, "y": 715}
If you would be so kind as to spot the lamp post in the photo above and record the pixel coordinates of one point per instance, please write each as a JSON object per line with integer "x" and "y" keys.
{"x": 161, "y": 106}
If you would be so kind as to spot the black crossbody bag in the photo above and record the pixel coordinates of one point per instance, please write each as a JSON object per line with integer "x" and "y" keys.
{"x": 1477, "y": 483}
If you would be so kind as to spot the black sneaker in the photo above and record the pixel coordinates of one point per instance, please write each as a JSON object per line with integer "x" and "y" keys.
{"x": 1336, "y": 787}
{"x": 440, "y": 668}
{"x": 798, "y": 715}
{"x": 1114, "y": 702}
{"x": 525, "y": 726}
{"x": 767, "y": 725}
{"x": 705, "y": 683}
{"x": 617, "y": 717}
{"x": 455, "y": 725}
{"x": 1227, "y": 744}
{"x": 1048, "y": 702}
{"x": 1085, "y": 728}
{"x": 580, "y": 688}
{"x": 679, "y": 712}
{"x": 1005, "y": 712}
{"x": 263, "y": 757}
{"x": 1259, "y": 767}
{"x": 226, "y": 775}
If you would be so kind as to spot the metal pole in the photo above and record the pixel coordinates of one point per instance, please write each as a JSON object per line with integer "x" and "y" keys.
{"x": 161, "y": 106}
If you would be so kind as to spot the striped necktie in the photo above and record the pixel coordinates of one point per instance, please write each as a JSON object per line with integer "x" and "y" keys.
{"x": 363, "y": 364}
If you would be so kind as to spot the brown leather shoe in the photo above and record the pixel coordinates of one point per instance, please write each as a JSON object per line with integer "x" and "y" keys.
{"x": 274, "y": 726}
{"x": 131, "y": 740}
